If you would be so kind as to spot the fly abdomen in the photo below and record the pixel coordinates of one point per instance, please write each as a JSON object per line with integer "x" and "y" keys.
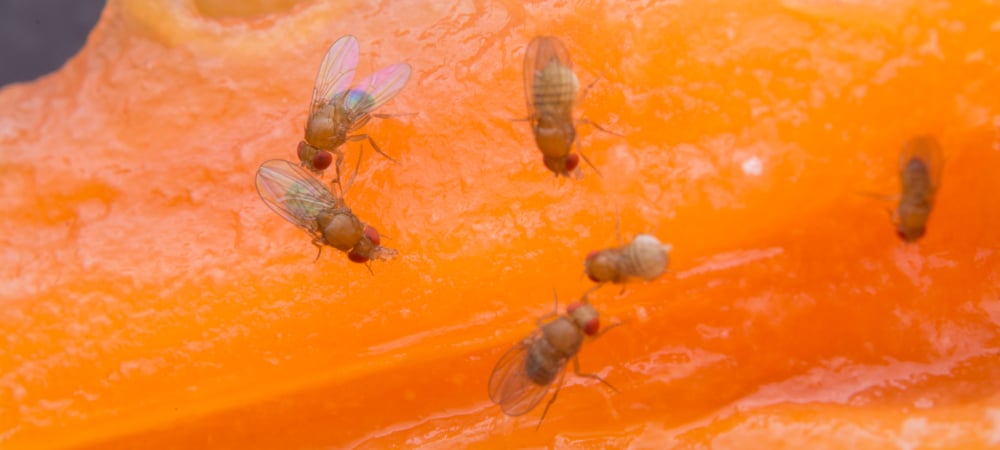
{"x": 646, "y": 257}
{"x": 916, "y": 179}
{"x": 543, "y": 363}
{"x": 555, "y": 89}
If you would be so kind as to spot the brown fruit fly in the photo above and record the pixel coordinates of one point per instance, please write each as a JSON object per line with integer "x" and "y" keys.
{"x": 551, "y": 88}
{"x": 337, "y": 112}
{"x": 525, "y": 373}
{"x": 303, "y": 200}
{"x": 920, "y": 166}
{"x": 645, "y": 257}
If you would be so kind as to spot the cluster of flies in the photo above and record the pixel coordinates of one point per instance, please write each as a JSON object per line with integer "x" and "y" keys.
{"x": 337, "y": 112}
{"x": 525, "y": 374}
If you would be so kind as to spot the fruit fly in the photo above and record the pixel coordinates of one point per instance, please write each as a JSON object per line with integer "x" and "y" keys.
{"x": 303, "y": 200}
{"x": 645, "y": 257}
{"x": 524, "y": 374}
{"x": 920, "y": 165}
{"x": 336, "y": 112}
{"x": 551, "y": 87}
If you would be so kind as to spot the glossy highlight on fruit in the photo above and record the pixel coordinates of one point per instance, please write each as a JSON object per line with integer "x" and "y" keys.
{"x": 149, "y": 299}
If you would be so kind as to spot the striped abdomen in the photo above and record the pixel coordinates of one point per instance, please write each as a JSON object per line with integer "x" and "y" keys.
{"x": 554, "y": 90}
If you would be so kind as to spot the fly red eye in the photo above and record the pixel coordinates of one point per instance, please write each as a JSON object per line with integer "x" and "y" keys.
{"x": 372, "y": 234}
{"x": 573, "y": 306}
{"x": 322, "y": 160}
{"x": 302, "y": 150}
{"x": 572, "y": 160}
{"x": 590, "y": 257}
{"x": 910, "y": 235}
{"x": 592, "y": 326}
{"x": 357, "y": 257}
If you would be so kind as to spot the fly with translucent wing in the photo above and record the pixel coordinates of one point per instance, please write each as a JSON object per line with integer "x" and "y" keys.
{"x": 337, "y": 112}
{"x": 920, "y": 166}
{"x": 303, "y": 200}
{"x": 525, "y": 373}
{"x": 551, "y": 88}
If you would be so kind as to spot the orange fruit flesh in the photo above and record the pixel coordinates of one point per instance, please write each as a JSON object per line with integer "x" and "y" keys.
{"x": 150, "y": 299}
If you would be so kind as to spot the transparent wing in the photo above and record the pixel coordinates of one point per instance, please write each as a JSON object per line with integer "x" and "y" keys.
{"x": 335, "y": 72}
{"x": 928, "y": 150}
{"x": 384, "y": 253}
{"x": 540, "y": 52}
{"x": 293, "y": 193}
{"x": 510, "y": 387}
{"x": 376, "y": 89}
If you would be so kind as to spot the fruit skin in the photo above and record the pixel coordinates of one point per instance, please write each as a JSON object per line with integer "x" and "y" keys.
{"x": 149, "y": 299}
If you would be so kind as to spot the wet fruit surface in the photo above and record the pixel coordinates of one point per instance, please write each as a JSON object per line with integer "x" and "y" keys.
{"x": 149, "y": 298}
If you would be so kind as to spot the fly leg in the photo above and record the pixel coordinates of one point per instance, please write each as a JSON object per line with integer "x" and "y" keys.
{"x": 586, "y": 89}
{"x": 562, "y": 374}
{"x": 340, "y": 160}
{"x": 878, "y": 196}
{"x": 606, "y": 329}
{"x": 584, "y": 298}
{"x": 893, "y": 216}
{"x": 586, "y": 121}
{"x": 555, "y": 310}
{"x": 343, "y": 192}
{"x": 885, "y": 198}
{"x": 361, "y": 137}
{"x": 391, "y": 116}
{"x": 594, "y": 376}
{"x": 319, "y": 248}
{"x": 579, "y": 150}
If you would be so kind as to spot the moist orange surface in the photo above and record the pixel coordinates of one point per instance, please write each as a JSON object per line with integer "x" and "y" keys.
{"x": 149, "y": 299}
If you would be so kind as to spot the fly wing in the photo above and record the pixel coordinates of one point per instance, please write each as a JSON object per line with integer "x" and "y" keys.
{"x": 335, "y": 72}
{"x": 376, "y": 89}
{"x": 541, "y": 52}
{"x": 292, "y": 193}
{"x": 510, "y": 387}
{"x": 384, "y": 253}
{"x": 926, "y": 149}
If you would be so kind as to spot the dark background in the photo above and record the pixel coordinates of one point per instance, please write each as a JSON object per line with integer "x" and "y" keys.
{"x": 38, "y": 36}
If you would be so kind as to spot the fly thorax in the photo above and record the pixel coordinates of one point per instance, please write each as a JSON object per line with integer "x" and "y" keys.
{"x": 912, "y": 226}
{"x": 911, "y": 219}
{"x": 646, "y": 257}
{"x": 564, "y": 336}
{"x": 605, "y": 266}
{"x": 554, "y": 136}
{"x": 321, "y": 129}
{"x": 341, "y": 229}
